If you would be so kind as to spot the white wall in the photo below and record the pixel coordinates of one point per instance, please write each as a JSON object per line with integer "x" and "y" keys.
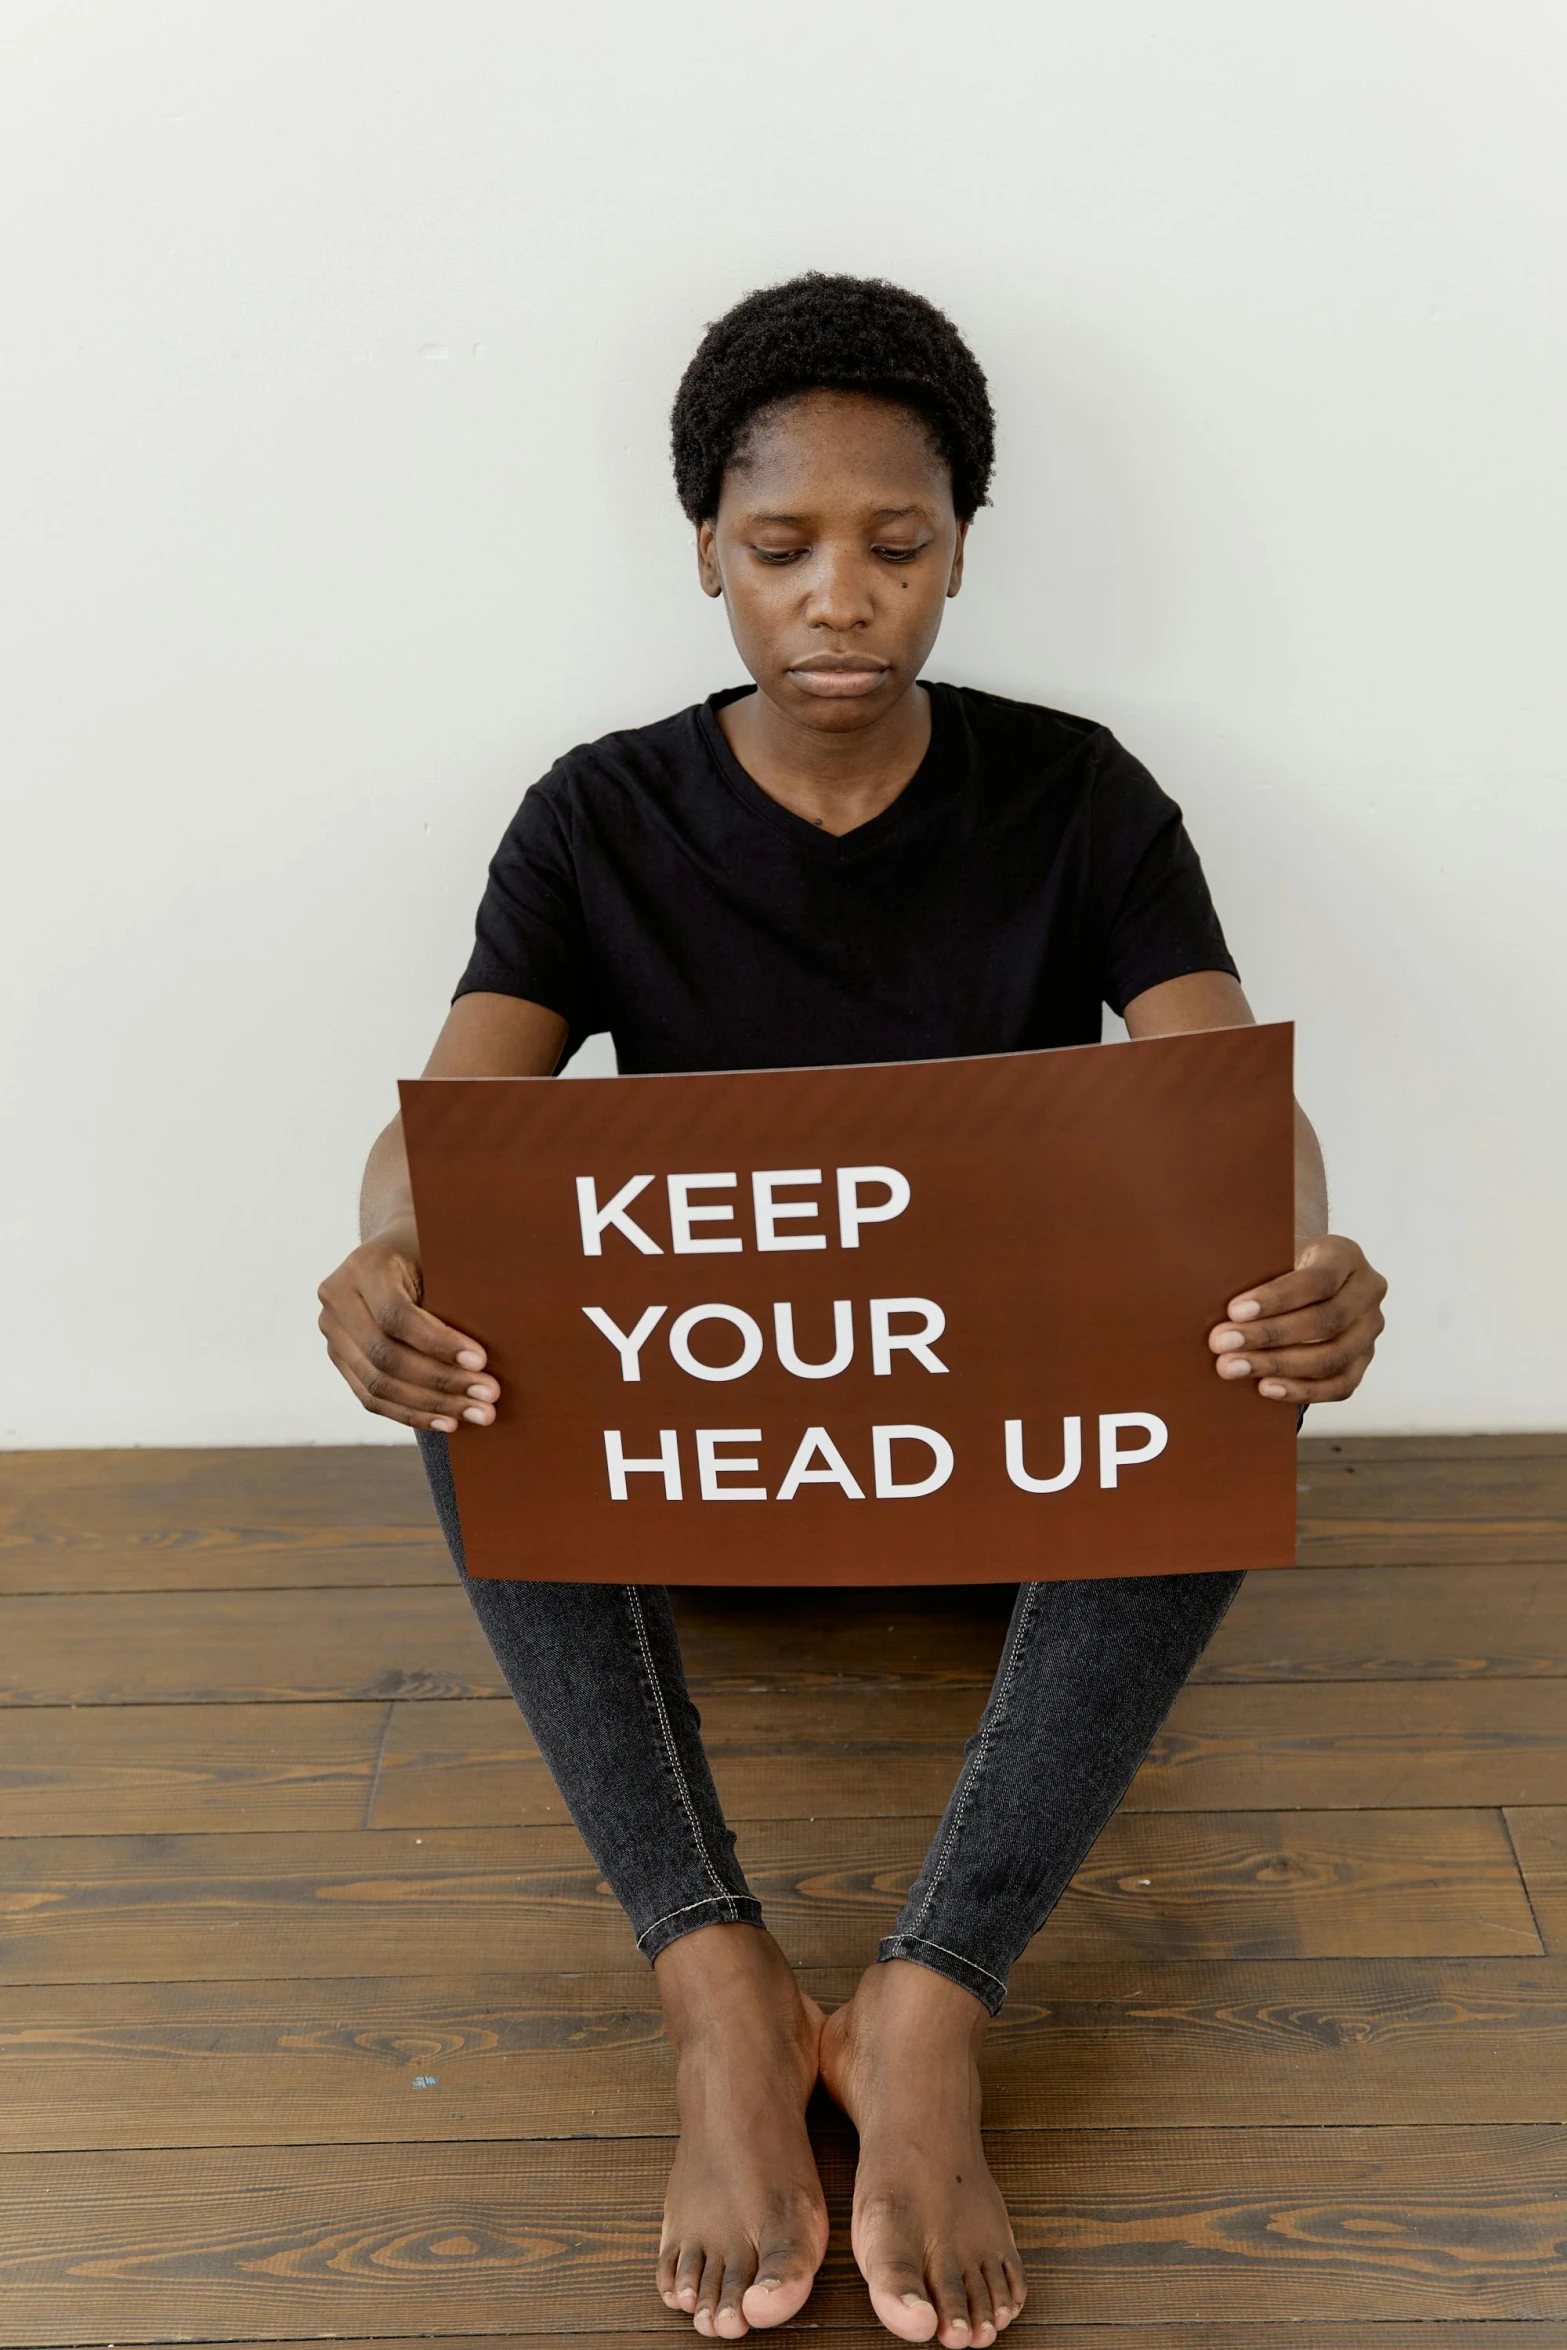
{"x": 338, "y": 341}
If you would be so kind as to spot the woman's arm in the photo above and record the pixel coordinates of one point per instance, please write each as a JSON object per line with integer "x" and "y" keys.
{"x": 400, "y": 1361}
{"x": 1309, "y": 1336}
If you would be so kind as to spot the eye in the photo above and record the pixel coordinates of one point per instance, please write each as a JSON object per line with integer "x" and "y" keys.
{"x": 897, "y": 554}
{"x": 778, "y": 554}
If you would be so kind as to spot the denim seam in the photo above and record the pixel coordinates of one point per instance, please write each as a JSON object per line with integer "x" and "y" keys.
{"x": 712, "y": 1899}
{"x": 1115, "y": 1801}
{"x": 926, "y": 1943}
{"x": 978, "y": 1764}
{"x": 1147, "y": 1747}
{"x": 671, "y": 1751}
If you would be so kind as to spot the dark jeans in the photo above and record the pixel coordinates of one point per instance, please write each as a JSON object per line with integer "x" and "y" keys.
{"x": 1088, "y": 1673}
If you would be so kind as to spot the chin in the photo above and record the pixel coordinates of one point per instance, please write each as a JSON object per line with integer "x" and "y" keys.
{"x": 837, "y": 717}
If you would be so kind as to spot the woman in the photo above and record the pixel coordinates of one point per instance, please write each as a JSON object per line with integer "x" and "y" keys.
{"x": 839, "y": 863}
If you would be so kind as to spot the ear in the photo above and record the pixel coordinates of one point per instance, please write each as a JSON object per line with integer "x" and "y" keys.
{"x": 955, "y": 579}
{"x": 707, "y": 571}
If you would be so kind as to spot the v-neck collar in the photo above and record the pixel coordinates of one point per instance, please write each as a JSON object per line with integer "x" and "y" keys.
{"x": 928, "y": 782}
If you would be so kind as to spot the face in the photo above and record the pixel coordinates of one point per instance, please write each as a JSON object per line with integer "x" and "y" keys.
{"x": 835, "y": 547}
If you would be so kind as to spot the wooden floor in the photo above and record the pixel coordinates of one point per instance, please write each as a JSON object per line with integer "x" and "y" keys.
{"x": 317, "y": 2020}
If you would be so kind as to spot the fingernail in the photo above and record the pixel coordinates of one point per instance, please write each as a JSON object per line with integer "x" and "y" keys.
{"x": 1234, "y": 1367}
{"x": 484, "y": 1394}
{"x": 1226, "y": 1338}
{"x": 446, "y": 1427}
{"x": 1246, "y": 1310}
{"x": 470, "y": 1361}
{"x": 473, "y": 1411}
{"x": 1273, "y": 1389}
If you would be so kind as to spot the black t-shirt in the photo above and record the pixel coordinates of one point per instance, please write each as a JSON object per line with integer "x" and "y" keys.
{"x": 1031, "y": 871}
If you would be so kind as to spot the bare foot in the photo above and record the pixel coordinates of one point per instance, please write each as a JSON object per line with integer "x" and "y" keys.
{"x": 930, "y": 2230}
{"x": 745, "y": 2224}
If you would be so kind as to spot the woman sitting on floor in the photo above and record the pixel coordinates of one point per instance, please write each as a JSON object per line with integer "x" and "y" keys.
{"x": 839, "y": 863}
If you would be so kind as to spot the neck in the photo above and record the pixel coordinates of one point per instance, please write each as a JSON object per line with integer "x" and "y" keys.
{"x": 837, "y": 780}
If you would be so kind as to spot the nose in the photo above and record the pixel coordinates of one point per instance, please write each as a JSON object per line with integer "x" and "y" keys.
{"x": 840, "y": 591}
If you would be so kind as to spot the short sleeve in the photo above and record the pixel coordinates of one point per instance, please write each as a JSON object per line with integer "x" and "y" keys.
{"x": 1156, "y": 919}
{"x": 530, "y": 935}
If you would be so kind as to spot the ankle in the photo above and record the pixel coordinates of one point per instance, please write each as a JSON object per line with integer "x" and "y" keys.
{"x": 899, "y": 1998}
{"x": 722, "y": 1974}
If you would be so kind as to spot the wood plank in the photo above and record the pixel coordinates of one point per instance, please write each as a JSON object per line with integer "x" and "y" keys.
{"x": 1394, "y": 1541}
{"x": 126, "y": 1648}
{"x": 1344, "y": 2225}
{"x": 1540, "y": 1842}
{"x": 253, "y": 1647}
{"x": 1172, "y": 1885}
{"x": 1480, "y": 1505}
{"x": 170, "y": 1769}
{"x": 259, "y": 1516}
{"x": 1370, "y": 1744}
{"x": 1348, "y": 1884}
{"x": 246, "y": 1559}
{"x": 1172, "y": 2044}
{"x": 884, "y": 1753}
{"x": 65, "y": 1492}
{"x": 1394, "y": 1624}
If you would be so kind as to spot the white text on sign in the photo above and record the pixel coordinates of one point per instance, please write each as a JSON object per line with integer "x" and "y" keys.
{"x": 908, "y": 1460}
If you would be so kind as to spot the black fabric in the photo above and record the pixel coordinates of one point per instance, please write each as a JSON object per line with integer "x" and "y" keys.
{"x": 1031, "y": 871}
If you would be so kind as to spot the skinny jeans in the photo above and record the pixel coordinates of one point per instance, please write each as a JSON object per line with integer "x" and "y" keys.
{"x": 1087, "y": 1674}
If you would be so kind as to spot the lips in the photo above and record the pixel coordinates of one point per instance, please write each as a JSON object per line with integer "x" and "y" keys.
{"x": 834, "y": 679}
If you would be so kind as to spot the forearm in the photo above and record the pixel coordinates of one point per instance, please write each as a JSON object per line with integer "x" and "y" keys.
{"x": 386, "y": 1200}
{"x": 1311, "y": 1183}
{"x": 484, "y": 1036}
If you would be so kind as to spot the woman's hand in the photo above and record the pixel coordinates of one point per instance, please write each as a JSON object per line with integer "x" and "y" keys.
{"x": 400, "y": 1361}
{"x": 1307, "y": 1337}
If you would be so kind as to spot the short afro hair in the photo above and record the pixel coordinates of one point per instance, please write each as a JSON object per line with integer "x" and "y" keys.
{"x": 830, "y": 333}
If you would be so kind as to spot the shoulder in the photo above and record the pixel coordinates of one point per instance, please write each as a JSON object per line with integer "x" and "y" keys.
{"x": 602, "y": 784}
{"x": 632, "y": 758}
{"x": 1030, "y": 740}
{"x": 1001, "y": 726}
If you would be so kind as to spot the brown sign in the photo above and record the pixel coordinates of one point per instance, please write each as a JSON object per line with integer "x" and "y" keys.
{"x": 922, "y": 1322}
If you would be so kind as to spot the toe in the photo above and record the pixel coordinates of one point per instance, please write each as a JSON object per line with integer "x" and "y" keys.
{"x": 688, "y": 2276}
{"x": 981, "y": 2316}
{"x": 729, "y": 2319}
{"x": 899, "y": 2298}
{"x": 704, "y": 2316}
{"x": 999, "y": 2293}
{"x": 785, "y": 2273}
{"x": 950, "y": 2295}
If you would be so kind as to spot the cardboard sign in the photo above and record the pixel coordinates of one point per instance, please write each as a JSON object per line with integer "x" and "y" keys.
{"x": 918, "y": 1322}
